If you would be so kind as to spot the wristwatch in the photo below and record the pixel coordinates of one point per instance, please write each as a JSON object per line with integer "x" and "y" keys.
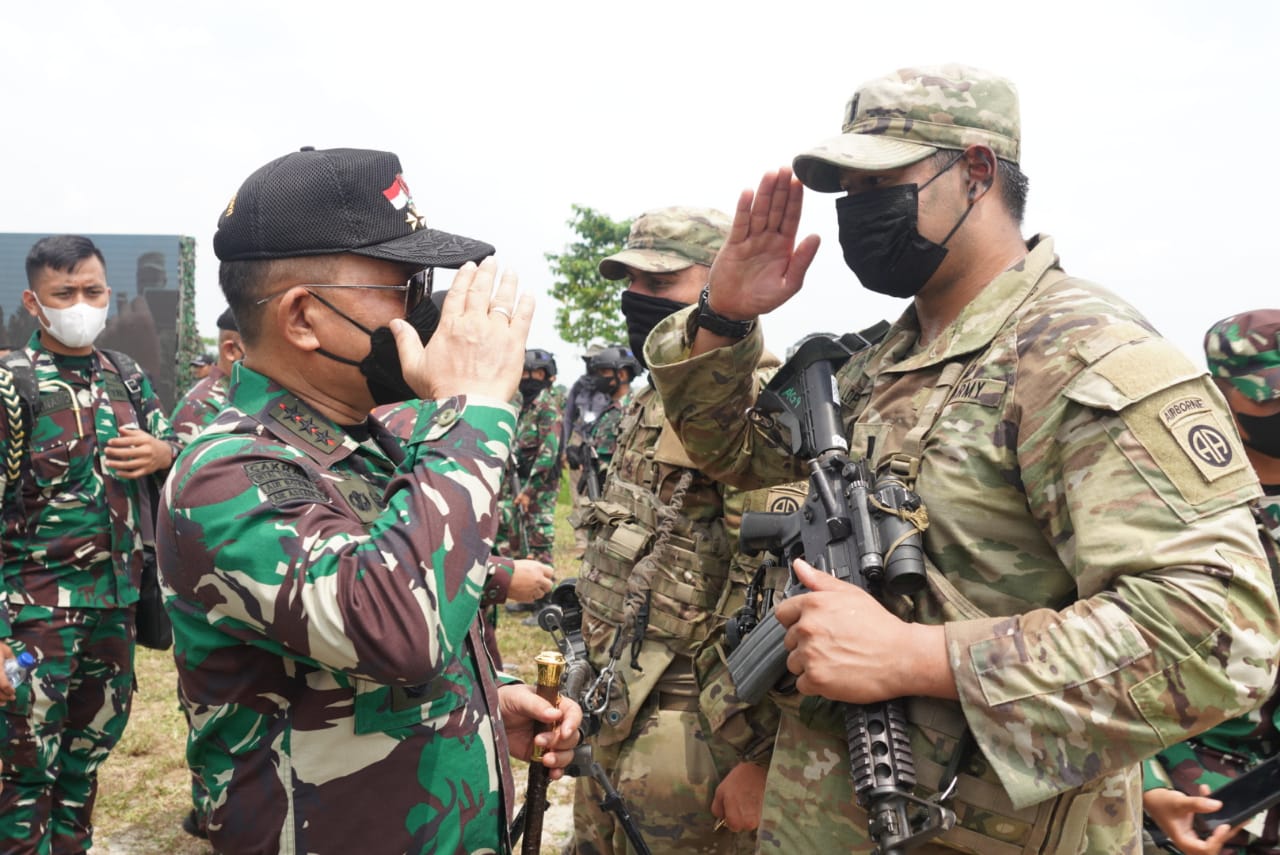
{"x": 706, "y": 318}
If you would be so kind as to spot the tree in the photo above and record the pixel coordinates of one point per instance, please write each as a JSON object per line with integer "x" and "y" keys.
{"x": 586, "y": 302}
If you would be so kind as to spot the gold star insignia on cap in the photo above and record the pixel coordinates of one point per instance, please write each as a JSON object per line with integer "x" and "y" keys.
{"x": 414, "y": 219}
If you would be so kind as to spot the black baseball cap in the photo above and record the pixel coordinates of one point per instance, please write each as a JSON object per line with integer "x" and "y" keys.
{"x": 227, "y": 321}
{"x": 331, "y": 201}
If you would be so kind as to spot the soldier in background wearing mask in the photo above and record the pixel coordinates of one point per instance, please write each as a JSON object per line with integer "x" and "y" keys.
{"x": 583, "y": 405}
{"x": 72, "y": 549}
{"x": 658, "y": 563}
{"x": 1096, "y": 586}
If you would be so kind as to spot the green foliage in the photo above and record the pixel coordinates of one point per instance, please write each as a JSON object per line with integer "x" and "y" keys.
{"x": 586, "y": 302}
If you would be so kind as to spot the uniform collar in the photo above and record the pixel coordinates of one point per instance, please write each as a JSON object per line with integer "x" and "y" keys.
{"x": 979, "y": 321}
{"x": 289, "y": 418}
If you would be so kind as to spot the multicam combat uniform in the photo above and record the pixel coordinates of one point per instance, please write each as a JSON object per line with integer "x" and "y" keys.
{"x": 72, "y": 556}
{"x": 324, "y": 594}
{"x": 535, "y": 461}
{"x": 654, "y": 743}
{"x": 1086, "y": 491}
{"x": 200, "y": 405}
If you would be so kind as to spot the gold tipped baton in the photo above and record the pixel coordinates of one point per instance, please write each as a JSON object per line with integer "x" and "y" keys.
{"x": 551, "y": 666}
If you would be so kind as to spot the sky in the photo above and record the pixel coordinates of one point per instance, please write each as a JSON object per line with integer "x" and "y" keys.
{"x": 1145, "y": 125}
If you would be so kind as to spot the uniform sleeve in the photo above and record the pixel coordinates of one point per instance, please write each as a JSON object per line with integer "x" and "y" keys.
{"x": 154, "y": 418}
{"x": 1137, "y": 479}
{"x": 259, "y": 544}
{"x": 705, "y": 398}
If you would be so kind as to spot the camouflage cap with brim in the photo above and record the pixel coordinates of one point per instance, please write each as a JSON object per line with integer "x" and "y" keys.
{"x": 1244, "y": 349}
{"x": 906, "y": 116}
{"x": 669, "y": 239}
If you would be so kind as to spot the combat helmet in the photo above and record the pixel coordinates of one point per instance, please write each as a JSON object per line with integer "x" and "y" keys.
{"x": 536, "y": 358}
{"x": 615, "y": 357}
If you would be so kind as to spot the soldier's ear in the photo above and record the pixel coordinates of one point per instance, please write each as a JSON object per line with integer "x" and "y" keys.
{"x": 295, "y": 319}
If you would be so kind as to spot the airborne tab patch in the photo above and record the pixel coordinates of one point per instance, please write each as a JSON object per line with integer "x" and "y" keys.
{"x": 283, "y": 482}
{"x": 1196, "y": 429}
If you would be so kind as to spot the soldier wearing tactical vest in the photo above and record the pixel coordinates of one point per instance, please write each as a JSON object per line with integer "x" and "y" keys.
{"x": 655, "y": 569}
{"x": 1096, "y": 587}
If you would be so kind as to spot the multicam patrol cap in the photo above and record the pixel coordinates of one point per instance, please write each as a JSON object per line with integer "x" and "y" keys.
{"x": 908, "y": 115}
{"x": 669, "y": 239}
{"x": 1244, "y": 349}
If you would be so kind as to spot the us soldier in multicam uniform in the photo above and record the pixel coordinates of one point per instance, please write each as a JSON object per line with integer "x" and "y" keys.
{"x": 677, "y": 776}
{"x": 72, "y": 552}
{"x": 583, "y": 405}
{"x": 1243, "y": 353}
{"x": 206, "y": 398}
{"x": 535, "y": 463}
{"x": 1097, "y": 588}
{"x": 324, "y": 578}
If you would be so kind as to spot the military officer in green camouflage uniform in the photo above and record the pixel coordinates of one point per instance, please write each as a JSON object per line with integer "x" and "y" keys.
{"x": 531, "y": 483}
{"x": 655, "y": 569}
{"x": 1097, "y": 587}
{"x": 72, "y": 548}
{"x": 206, "y": 398}
{"x": 1243, "y": 353}
{"x": 325, "y": 578}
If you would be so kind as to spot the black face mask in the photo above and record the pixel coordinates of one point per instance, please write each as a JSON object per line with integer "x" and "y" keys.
{"x": 601, "y": 384}
{"x": 1264, "y": 433}
{"x": 643, "y": 314}
{"x": 880, "y": 241}
{"x": 382, "y": 371}
{"x": 530, "y": 387}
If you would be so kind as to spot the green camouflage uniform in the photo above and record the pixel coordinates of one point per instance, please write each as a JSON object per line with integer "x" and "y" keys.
{"x": 324, "y": 594}
{"x": 72, "y": 557}
{"x": 1244, "y": 350}
{"x": 200, "y": 405}
{"x": 198, "y": 408}
{"x": 1078, "y": 459}
{"x": 603, "y": 432}
{"x": 535, "y": 461}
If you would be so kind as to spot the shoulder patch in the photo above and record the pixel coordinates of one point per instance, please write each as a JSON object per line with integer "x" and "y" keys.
{"x": 283, "y": 482}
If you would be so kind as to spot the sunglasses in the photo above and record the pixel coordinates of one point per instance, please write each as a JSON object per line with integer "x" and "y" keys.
{"x": 417, "y": 287}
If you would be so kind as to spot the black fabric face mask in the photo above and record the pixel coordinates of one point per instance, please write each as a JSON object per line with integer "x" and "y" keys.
{"x": 603, "y": 385}
{"x": 530, "y": 387}
{"x": 1264, "y": 433}
{"x": 880, "y": 242}
{"x": 382, "y": 371}
{"x": 643, "y": 313}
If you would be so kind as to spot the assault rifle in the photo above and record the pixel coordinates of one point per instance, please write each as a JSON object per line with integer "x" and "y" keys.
{"x": 585, "y": 456}
{"x": 861, "y": 529}
{"x": 562, "y": 617}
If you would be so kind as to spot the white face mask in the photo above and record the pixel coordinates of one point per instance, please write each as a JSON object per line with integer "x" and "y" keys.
{"x": 76, "y": 326}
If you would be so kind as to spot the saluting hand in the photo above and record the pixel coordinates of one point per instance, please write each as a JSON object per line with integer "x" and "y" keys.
{"x": 760, "y": 266}
{"x": 478, "y": 347}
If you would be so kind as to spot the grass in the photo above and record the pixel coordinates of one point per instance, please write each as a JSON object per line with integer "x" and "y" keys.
{"x": 145, "y": 789}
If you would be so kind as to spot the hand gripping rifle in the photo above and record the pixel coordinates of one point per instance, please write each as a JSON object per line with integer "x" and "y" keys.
{"x": 863, "y": 530}
{"x": 562, "y": 617}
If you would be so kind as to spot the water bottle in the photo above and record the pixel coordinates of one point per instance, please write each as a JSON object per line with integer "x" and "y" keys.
{"x": 18, "y": 670}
